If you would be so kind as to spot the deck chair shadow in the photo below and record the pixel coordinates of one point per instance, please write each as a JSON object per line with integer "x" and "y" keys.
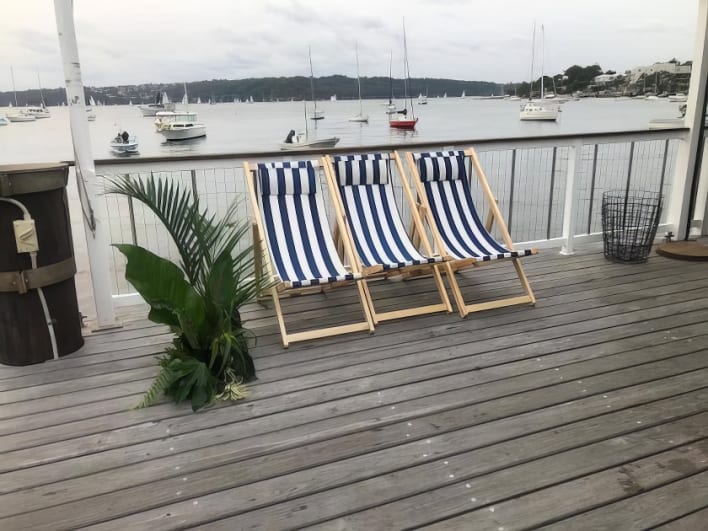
{"x": 292, "y": 235}
{"x": 447, "y": 206}
{"x": 363, "y": 196}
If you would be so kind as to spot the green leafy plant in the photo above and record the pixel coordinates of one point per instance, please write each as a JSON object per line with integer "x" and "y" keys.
{"x": 198, "y": 298}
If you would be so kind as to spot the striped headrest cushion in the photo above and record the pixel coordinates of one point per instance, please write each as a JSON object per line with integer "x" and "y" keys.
{"x": 288, "y": 178}
{"x": 353, "y": 170}
{"x": 441, "y": 165}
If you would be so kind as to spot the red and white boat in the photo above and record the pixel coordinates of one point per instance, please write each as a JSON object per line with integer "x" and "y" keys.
{"x": 401, "y": 119}
{"x": 402, "y": 122}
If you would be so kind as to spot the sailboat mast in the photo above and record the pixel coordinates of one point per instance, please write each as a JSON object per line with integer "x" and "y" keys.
{"x": 41, "y": 96}
{"x": 14, "y": 90}
{"x": 390, "y": 76}
{"x": 533, "y": 58}
{"x": 407, "y": 70}
{"x": 543, "y": 55}
{"x": 358, "y": 79}
{"x": 312, "y": 80}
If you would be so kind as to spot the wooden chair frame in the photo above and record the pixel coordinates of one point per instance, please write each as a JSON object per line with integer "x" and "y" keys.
{"x": 452, "y": 264}
{"x": 345, "y": 238}
{"x": 264, "y": 262}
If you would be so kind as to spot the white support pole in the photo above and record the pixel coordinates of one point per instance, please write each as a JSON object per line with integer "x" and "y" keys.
{"x": 569, "y": 209}
{"x": 94, "y": 209}
{"x": 679, "y": 200}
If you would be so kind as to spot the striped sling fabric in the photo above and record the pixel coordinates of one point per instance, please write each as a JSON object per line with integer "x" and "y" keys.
{"x": 296, "y": 226}
{"x": 444, "y": 178}
{"x": 375, "y": 221}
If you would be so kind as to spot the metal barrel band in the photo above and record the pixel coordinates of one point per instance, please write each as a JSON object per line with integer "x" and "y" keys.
{"x": 23, "y": 281}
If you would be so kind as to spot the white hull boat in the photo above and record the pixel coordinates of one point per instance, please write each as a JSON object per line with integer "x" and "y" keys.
{"x": 21, "y": 117}
{"x": 317, "y": 114}
{"x": 678, "y": 98}
{"x": 120, "y": 147}
{"x": 538, "y": 111}
{"x": 37, "y": 112}
{"x": 543, "y": 112}
{"x": 183, "y": 131}
{"x": 162, "y": 103}
{"x": 4, "y": 121}
{"x": 300, "y": 141}
{"x": 361, "y": 117}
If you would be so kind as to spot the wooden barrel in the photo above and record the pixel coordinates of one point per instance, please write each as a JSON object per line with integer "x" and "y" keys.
{"x": 24, "y": 334}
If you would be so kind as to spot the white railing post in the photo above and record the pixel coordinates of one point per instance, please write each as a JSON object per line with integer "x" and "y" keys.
{"x": 680, "y": 198}
{"x": 95, "y": 227}
{"x": 569, "y": 208}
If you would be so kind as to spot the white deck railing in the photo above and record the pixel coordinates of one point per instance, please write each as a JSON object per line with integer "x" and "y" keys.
{"x": 549, "y": 188}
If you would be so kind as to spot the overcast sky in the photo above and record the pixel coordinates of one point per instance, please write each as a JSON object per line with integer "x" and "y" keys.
{"x": 141, "y": 41}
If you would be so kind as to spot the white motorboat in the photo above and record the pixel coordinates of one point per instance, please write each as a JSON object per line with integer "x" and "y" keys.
{"x": 162, "y": 103}
{"x": 678, "y": 98}
{"x": 20, "y": 116}
{"x": 538, "y": 110}
{"x": 3, "y": 120}
{"x": 37, "y": 111}
{"x": 422, "y": 99}
{"x": 361, "y": 117}
{"x": 164, "y": 118}
{"x": 180, "y": 126}
{"x": 301, "y": 141}
{"x": 123, "y": 144}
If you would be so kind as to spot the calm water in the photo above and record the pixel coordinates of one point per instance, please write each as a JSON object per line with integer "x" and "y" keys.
{"x": 238, "y": 127}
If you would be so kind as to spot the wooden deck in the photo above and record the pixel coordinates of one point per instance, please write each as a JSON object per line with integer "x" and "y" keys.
{"x": 589, "y": 411}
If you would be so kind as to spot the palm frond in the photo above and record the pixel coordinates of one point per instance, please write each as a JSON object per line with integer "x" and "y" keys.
{"x": 159, "y": 386}
{"x": 175, "y": 208}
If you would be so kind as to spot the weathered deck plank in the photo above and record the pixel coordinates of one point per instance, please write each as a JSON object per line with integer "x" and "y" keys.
{"x": 521, "y": 402}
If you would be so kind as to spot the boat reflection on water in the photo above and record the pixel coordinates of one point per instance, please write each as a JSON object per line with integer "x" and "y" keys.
{"x": 183, "y": 146}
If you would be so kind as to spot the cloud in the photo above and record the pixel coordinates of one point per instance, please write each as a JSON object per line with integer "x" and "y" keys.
{"x": 149, "y": 42}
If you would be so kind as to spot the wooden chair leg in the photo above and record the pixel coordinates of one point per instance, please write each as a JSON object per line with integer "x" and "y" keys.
{"x": 279, "y": 314}
{"x": 366, "y": 298}
{"x": 367, "y": 304}
{"x": 524, "y": 281}
{"x": 456, "y": 292}
{"x": 441, "y": 288}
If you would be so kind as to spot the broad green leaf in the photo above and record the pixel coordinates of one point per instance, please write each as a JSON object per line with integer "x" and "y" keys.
{"x": 164, "y": 288}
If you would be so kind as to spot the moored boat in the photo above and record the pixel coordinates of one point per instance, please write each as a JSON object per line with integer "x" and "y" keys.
{"x": 162, "y": 103}
{"x": 38, "y": 111}
{"x": 21, "y": 117}
{"x": 538, "y": 110}
{"x": 401, "y": 120}
{"x": 302, "y": 141}
{"x": 361, "y": 117}
{"x": 123, "y": 144}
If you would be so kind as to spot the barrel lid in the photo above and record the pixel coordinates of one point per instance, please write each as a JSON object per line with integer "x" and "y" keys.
{"x": 32, "y": 167}
{"x": 18, "y": 179}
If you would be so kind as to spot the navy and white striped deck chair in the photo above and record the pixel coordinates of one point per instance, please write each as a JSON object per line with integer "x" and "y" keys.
{"x": 291, "y": 219}
{"x": 364, "y": 184}
{"x": 443, "y": 185}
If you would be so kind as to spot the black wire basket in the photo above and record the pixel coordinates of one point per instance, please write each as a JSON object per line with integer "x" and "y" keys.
{"x": 629, "y": 223}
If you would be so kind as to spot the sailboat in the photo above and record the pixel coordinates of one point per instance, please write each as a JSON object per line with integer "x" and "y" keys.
{"x": 38, "y": 111}
{"x": 423, "y": 98}
{"x": 391, "y": 107}
{"x": 316, "y": 114}
{"x": 90, "y": 115}
{"x": 538, "y": 110}
{"x": 398, "y": 121}
{"x": 361, "y": 117}
{"x": 18, "y": 115}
